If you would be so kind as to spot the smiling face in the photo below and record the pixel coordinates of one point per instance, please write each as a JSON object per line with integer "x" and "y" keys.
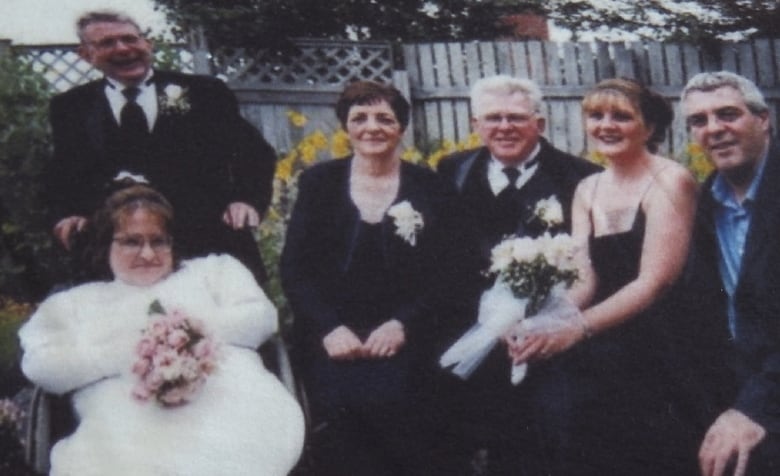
{"x": 508, "y": 126}
{"x": 118, "y": 50}
{"x": 616, "y": 127}
{"x": 733, "y": 136}
{"x": 140, "y": 252}
{"x": 373, "y": 130}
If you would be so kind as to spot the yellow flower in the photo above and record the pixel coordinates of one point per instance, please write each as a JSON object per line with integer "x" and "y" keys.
{"x": 296, "y": 118}
{"x": 697, "y": 161}
{"x": 693, "y": 149}
{"x": 339, "y": 144}
{"x": 434, "y": 159}
{"x": 597, "y": 158}
{"x": 318, "y": 140}
{"x": 285, "y": 167}
{"x": 308, "y": 152}
{"x": 472, "y": 142}
{"x": 412, "y": 155}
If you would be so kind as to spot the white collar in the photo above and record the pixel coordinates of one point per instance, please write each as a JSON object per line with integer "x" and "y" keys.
{"x": 497, "y": 178}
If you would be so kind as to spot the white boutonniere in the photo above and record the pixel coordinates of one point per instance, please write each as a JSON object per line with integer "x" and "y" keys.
{"x": 174, "y": 100}
{"x": 549, "y": 211}
{"x": 408, "y": 221}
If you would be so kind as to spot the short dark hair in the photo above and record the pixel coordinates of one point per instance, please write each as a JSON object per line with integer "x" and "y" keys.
{"x": 655, "y": 109}
{"x": 103, "y": 16}
{"x": 370, "y": 92}
{"x": 108, "y": 218}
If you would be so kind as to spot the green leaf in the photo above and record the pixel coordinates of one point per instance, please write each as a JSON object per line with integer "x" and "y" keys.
{"x": 156, "y": 308}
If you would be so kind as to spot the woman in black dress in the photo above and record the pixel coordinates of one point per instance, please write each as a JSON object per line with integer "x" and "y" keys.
{"x": 634, "y": 220}
{"x": 366, "y": 261}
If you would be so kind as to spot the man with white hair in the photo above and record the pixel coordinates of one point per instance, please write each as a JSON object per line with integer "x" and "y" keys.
{"x": 735, "y": 274}
{"x": 500, "y": 185}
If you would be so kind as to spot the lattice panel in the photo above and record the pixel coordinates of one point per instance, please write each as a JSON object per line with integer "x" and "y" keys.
{"x": 314, "y": 63}
{"x": 64, "y": 68}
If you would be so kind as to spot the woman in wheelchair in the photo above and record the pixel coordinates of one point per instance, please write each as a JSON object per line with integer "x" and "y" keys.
{"x": 160, "y": 359}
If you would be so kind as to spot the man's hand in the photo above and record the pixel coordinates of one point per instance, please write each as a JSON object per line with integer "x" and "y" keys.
{"x": 385, "y": 340}
{"x": 65, "y": 228}
{"x": 732, "y": 435}
{"x": 239, "y": 214}
{"x": 342, "y": 344}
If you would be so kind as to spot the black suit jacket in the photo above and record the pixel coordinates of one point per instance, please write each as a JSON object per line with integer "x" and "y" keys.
{"x": 558, "y": 174}
{"x": 741, "y": 372}
{"x": 201, "y": 159}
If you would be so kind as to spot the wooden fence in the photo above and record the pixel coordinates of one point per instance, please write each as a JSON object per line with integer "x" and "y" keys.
{"x": 440, "y": 75}
{"x": 437, "y": 76}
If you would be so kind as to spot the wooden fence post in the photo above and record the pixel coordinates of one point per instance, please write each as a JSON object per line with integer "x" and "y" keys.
{"x": 200, "y": 52}
{"x": 5, "y": 47}
{"x": 401, "y": 81}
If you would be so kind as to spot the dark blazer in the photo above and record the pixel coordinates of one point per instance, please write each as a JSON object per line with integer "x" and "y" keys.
{"x": 558, "y": 174}
{"x": 317, "y": 259}
{"x": 201, "y": 159}
{"x": 743, "y": 372}
{"x": 321, "y": 237}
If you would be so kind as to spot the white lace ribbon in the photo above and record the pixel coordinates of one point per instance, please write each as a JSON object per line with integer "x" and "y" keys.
{"x": 499, "y": 310}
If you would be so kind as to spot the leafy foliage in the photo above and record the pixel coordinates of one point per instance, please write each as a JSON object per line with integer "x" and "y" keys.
{"x": 25, "y": 243}
{"x": 271, "y": 23}
{"x": 694, "y": 21}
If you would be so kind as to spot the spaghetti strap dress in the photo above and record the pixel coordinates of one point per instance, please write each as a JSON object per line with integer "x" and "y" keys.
{"x": 624, "y": 415}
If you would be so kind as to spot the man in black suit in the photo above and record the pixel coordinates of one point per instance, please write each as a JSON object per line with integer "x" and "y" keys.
{"x": 500, "y": 185}
{"x": 181, "y": 133}
{"x": 735, "y": 274}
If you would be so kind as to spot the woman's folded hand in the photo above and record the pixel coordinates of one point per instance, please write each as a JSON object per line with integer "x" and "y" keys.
{"x": 342, "y": 344}
{"x": 386, "y": 340}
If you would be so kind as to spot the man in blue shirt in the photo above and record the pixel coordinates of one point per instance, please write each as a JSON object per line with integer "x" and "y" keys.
{"x": 736, "y": 272}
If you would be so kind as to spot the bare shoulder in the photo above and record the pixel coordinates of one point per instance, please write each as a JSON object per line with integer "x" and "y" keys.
{"x": 673, "y": 175}
{"x": 675, "y": 183}
{"x": 587, "y": 185}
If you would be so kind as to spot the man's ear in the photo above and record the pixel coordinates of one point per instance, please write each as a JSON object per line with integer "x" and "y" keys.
{"x": 541, "y": 123}
{"x": 85, "y": 53}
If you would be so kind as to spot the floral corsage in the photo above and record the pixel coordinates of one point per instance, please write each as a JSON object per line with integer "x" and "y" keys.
{"x": 174, "y": 357}
{"x": 408, "y": 221}
{"x": 549, "y": 211}
{"x": 174, "y": 100}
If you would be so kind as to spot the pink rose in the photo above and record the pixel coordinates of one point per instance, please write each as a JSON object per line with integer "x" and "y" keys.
{"x": 141, "y": 392}
{"x": 142, "y": 366}
{"x": 146, "y": 347}
{"x": 178, "y": 339}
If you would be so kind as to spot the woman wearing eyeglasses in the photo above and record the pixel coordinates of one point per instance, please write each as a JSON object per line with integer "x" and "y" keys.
{"x": 160, "y": 358}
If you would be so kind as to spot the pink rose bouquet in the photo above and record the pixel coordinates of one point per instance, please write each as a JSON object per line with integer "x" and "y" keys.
{"x": 174, "y": 357}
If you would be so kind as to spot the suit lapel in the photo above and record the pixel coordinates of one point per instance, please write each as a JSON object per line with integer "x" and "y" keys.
{"x": 766, "y": 213}
{"x": 100, "y": 121}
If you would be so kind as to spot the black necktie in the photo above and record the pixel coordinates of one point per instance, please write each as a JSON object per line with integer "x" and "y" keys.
{"x": 511, "y": 173}
{"x": 132, "y": 119}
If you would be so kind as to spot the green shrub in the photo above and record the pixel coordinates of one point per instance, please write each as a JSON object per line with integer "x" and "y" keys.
{"x": 25, "y": 242}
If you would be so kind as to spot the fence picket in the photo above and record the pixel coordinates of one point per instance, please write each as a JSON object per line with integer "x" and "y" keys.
{"x": 437, "y": 78}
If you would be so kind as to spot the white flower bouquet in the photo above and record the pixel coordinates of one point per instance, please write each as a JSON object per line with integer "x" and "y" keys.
{"x": 528, "y": 273}
{"x": 174, "y": 357}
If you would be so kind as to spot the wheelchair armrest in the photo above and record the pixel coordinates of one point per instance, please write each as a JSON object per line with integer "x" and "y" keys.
{"x": 37, "y": 444}
{"x": 277, "y": 359}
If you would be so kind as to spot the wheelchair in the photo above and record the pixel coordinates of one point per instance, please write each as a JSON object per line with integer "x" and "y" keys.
{"x": 50, "y": 417}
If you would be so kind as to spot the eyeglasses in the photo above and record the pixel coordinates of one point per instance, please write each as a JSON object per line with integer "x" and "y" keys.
{"x": 134, "y": 244}
{"x": 113, "y": 41}
{"x": 512, "y": 119}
